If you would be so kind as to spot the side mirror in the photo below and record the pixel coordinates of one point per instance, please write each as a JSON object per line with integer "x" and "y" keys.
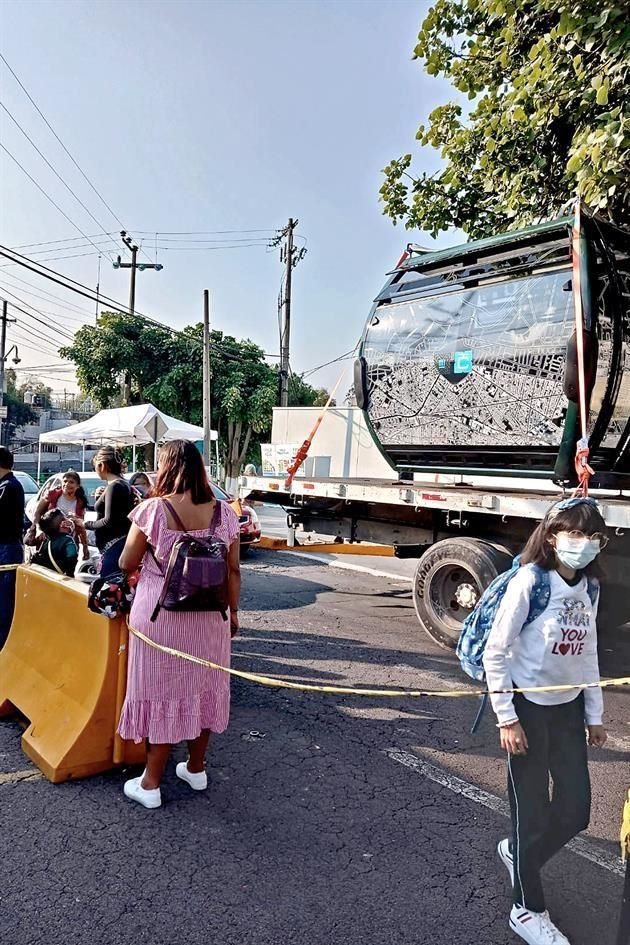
{"x": 571, "y": 373}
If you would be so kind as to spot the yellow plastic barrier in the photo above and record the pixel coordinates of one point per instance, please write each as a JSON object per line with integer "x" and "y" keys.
{"x": 64, "y": 668}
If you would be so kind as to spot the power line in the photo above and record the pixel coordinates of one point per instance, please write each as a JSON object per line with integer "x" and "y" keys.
{"x": 74, "y": 161}
{"x": 46, "y": 194}
{"x": 48, "y": 324}
{"x": 68, "y": 239}
{"x": 342, "y": 357}
{"x": 56, "y": 172}
{"x": 271, "y": 229}
{"x": 83, "y": 290}
{"x": 40, "y": 338}
{"x": 51, "y": 295}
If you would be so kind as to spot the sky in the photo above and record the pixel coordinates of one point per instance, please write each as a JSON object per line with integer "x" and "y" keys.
{"x": 198, "y": 116}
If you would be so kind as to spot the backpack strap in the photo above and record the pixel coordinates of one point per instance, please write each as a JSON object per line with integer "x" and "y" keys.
{"x": 214, "y": 522}
{"x": 178, "y": 520}
{"x": 52, "y": 559}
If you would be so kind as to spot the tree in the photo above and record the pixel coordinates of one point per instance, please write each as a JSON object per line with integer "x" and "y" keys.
{"x": 301, "y": 394}
{"x": 166, "y": 368}
{"x": 18, "y": 413}
{"x": 119, "y": 343}
{"x": 549, "y": 117}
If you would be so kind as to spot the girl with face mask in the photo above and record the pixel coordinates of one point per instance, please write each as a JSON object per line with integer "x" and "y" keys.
{"x": 545, "y": 733}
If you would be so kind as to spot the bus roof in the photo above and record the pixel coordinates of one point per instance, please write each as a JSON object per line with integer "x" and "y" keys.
{"x": 480, "y": 247}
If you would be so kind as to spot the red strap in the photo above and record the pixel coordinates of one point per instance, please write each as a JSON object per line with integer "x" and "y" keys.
{"x": 582, "y": 467}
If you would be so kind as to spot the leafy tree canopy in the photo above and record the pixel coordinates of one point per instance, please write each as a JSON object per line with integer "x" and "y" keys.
{"x": 18, "y": 413}
{"x": 549, "y": 115}
{"x": 166, "y": 369}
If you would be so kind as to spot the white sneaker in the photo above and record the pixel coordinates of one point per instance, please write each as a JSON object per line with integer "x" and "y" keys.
{"x": 198, "y": 780}
{"x": 505, "y": 853}
{"x": 536, "y": 928}
{"x": 135, "y": 792}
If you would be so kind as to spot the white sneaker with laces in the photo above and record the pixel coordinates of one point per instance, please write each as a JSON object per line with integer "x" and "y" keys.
{"x": 135, "y": 792}
{"x": 503, "y": 849}
{"x": 198, "y": 780}
{"x": 536, "y": 928}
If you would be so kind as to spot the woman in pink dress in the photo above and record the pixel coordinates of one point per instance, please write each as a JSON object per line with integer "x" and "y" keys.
{"x": 170, "y": 699}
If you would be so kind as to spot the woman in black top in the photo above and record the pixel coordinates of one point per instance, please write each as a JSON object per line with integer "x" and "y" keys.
{"x": 112, "y": 509}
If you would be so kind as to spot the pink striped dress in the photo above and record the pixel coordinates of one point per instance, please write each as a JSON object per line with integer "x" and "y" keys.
{"x": 168, "y": 699}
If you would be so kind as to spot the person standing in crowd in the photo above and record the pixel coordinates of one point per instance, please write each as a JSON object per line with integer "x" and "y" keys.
{"x": 11, "y": 531}
{"x": 72, "y": 501}
{"x": 170, "y": 700}
{"x": 141, "y": 483}
{"x": 112, "y": 508}
{"x": 545, "y": 733}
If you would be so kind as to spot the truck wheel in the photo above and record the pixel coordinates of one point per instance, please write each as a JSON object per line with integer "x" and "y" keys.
{"x": 449, "y": 580}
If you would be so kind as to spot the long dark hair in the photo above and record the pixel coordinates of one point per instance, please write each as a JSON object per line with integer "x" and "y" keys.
{"x": 80, "y": 492}
{"x": 582, "y": 517}
{"x": 180, "y": 470}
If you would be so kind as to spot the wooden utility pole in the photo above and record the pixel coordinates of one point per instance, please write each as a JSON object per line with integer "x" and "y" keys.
{"x": 207, "y": 380}
{"x": 134, "y": 265}
{"x": 4, "y": 354}
{"x": 285, "y": 334}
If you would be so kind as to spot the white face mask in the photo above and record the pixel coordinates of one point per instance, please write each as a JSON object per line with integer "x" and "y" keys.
{"x": 576, "y": 553}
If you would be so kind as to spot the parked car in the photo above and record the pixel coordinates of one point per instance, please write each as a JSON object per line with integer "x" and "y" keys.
{"x": 27, "y": 482}
{"x": 30, "y": 489}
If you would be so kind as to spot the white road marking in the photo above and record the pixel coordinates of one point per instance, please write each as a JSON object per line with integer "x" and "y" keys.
{"x": 579, "y": 845}
{"x": 347, "y": 566}
{"x": 12, "y": 777}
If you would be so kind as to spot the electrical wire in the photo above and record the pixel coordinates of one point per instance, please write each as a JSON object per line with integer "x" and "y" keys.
{"x": 73, "y": 286}
{"x": 58, "y": 175}
{"x": 271, "y": 229}
{"x": 69, "y": 239}
{"x": 342, "y": 357}
{"x": 47, "y": 324}
{"x": 50, "y": 127}
{"x": 46, "y": 194}
{"x": 37, "y": 295}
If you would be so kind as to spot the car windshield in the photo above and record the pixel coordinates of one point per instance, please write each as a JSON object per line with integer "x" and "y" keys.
{"x": 27, "y": 482}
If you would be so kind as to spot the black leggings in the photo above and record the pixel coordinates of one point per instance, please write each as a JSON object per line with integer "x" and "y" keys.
{"x": 557, "y": 746}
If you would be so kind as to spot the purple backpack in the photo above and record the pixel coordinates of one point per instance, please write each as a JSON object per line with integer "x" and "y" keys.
{"x": 196, "y": 575}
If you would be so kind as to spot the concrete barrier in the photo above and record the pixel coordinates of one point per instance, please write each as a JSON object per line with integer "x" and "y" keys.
{"x": 64, "y": 668}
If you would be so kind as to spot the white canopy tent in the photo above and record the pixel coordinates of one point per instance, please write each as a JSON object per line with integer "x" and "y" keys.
{"x": 125, "y": 426}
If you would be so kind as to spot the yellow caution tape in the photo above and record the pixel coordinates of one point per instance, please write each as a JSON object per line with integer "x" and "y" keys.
{"x": 352, "y": 691}
{"x": 624, "y": 836}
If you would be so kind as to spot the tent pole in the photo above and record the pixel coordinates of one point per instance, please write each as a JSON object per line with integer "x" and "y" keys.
{"x": 39, "y": 463}
{"x": 216, "y": 452}
{"x": 133, "y": 460}
{"x": 82, "y": 455}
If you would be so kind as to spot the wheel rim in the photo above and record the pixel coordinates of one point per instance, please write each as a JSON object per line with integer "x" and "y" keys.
{"x": 453, "y": 592}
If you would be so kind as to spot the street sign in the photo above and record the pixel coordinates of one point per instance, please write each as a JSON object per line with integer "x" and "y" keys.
{"x": 4, "y": 413}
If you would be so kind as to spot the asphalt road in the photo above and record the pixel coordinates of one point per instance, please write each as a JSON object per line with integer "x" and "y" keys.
{"x": 359, "y": 821}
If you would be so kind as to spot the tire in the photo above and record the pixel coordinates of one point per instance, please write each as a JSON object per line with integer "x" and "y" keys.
{"x": 450, "y": 578}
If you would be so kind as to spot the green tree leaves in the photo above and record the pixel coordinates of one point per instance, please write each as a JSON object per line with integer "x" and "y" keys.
{"x": 166, "y": 369}
{"x": 549, "y": 116}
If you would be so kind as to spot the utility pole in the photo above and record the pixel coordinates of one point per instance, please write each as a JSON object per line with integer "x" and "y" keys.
{"x": 285, "y": 336}
{"x": 290, "y": 256}
{"x": 134, "y": 265}
{"x": 4, "y": 354}
{"x": 98, "y": 288}
{"x": 207, "y": 379}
